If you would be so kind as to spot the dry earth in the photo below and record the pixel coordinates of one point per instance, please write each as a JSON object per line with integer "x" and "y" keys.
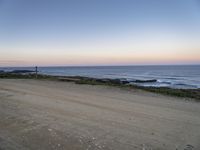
{"x": 50, "y": 115}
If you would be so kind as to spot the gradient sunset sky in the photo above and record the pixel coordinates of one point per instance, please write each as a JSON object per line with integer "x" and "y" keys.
{"x": 99, "y": 32}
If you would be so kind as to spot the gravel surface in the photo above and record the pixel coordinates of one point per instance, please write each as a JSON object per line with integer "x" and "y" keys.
{"x": 50, "y": 115}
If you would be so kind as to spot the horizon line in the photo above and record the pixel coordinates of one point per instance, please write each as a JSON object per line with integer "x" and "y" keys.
{"x": 99, "y": 65}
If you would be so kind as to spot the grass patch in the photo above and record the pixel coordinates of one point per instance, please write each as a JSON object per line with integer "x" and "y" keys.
{"x": 25, "y": 76}
{"x": 187, "y": 93}
{"x": 184, "y": 93}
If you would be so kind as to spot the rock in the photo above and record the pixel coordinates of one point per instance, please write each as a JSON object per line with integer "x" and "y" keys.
{"x": 189, "y": 147}
{"x": 125, "y": 82}
{"x": 102, "y": 80}
{"x": 145, "y": 81}
{"x": 116, "y": 81}
{"x": 49, "y": 130}
{"x": 68, "y": 79}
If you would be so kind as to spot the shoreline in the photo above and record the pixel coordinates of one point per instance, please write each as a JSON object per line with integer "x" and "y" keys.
{"x": 184, "y": 93}
{"x": 180, "y": 77}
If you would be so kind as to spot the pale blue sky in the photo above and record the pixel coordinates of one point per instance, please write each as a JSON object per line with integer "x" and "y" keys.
{"x": 99, "y": 32}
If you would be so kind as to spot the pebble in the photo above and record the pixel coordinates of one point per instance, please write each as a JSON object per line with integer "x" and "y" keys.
{"x": 50, "y": 130}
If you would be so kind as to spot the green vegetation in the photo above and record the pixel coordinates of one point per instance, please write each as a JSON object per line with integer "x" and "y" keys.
{"x": 189, "y": 93}
{"x": 25, "y": 76}
{"x": 185, "y": 93}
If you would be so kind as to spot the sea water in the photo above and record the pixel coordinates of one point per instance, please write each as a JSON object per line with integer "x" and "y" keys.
{"x": 180, "y": 76}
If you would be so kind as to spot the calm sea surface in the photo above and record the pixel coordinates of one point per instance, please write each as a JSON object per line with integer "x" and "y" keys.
{"x": 166, "y": 76}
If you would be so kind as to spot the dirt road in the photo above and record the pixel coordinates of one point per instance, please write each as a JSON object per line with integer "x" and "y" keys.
{"x": 50, "y": 115}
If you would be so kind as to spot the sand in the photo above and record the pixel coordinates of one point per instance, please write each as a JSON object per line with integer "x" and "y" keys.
{"x": 50, "y": 115}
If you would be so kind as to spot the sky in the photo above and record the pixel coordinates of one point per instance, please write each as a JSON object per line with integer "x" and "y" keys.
{"x": 99, "y": 32}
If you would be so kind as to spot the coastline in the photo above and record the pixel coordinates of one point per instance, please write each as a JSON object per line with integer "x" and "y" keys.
{"x": 184, "y": 93}
{"x": 180, "y": 77}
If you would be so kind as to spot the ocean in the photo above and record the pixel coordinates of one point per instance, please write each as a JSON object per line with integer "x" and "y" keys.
{"x": 180, "y": 76}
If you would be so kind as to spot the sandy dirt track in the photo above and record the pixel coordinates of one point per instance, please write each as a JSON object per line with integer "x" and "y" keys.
{"x": 50, "y": 115}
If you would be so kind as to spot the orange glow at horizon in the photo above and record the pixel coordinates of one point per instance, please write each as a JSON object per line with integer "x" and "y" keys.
{"x": 102, "y": 58}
